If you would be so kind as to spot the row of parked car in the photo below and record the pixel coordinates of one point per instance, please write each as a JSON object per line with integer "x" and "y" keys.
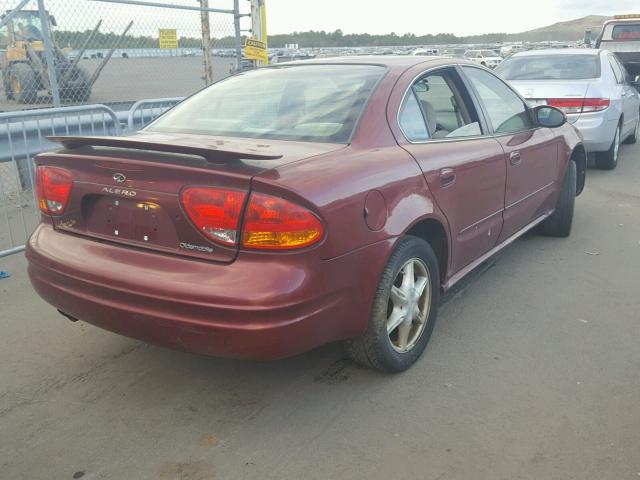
{"x": 487, "y": 58}
{"x": 591, "y": 86}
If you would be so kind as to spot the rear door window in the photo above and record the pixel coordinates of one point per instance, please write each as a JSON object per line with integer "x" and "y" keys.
{"x": 411, "y": 120}
{"x": 440, "y": 102}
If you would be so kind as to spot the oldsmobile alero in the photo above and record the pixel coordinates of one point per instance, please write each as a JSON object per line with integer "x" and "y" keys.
{"x": 301, "y": 204}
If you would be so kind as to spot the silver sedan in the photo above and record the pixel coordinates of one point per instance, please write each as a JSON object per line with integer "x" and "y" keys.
{"x": 590, "y": 86}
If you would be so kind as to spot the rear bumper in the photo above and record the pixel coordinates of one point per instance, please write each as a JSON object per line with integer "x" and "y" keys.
{"x": 597, "y": 130}
{"x": 254, "y": 308}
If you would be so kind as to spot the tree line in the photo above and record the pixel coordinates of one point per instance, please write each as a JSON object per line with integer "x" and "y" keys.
{"x": 310, "y": 39}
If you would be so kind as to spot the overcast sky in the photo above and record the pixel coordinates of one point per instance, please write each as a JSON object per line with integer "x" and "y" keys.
{"x": 461, "y": 17}
{"x": 426, "y": 16}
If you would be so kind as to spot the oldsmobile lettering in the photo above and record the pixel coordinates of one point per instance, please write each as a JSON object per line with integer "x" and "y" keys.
{"x": 196, "y": 248}
{"x": 120, "y": 191}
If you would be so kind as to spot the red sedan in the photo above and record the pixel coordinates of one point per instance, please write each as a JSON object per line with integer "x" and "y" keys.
{"x": 307, "y": 203}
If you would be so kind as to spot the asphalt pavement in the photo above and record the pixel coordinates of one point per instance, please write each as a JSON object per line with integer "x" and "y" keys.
{"x": 533, "y": 372}
{"x": 126, "y": 80}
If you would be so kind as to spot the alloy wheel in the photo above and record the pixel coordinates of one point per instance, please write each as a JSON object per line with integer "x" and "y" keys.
{"x": 408, "y": 306}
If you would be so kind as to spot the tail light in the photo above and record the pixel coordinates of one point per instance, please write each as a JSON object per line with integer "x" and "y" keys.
{"x": 579, "y": 105}
{"x": 53, "y": 188}
{"x": 215, "y": 212}
{"x": 273, "y": 223}
{"x": 270, "y": 223}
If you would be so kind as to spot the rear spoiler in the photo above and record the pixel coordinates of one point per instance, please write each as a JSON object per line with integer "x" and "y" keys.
{"x": 211, "y": 153}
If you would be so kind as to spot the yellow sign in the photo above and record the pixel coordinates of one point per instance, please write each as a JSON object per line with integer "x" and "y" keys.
{"x": 256, "y": 50}
{"x": 168, "y": 38}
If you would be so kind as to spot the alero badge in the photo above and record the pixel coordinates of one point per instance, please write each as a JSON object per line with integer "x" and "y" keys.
{"x": 119, "y": 191}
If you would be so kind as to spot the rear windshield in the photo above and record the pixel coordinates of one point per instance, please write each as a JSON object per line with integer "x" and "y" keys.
{"x": 626, "y": 32}
{"x": 319, "y": 103}
{"x": 550, "y": 67}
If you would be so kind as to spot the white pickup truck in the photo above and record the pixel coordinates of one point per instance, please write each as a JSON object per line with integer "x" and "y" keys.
{"x": 621, "y": 35}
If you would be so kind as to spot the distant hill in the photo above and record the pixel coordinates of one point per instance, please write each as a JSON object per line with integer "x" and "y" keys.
{"x": 572, "y": 30}
{"x": 563, "y": 31}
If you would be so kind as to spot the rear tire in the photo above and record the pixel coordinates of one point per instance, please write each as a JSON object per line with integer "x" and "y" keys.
{"x": 401, "y": 323}
{"x": 23, "y": 83}
{"x": 609, "y": 160}
{"x": 560, "y": 222}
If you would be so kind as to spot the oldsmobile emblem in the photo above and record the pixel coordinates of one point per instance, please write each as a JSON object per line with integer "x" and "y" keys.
{"x": 119, "y": 177}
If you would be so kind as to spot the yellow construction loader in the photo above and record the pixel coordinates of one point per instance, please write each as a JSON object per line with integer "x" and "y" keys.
{"x": 24, "y": 66}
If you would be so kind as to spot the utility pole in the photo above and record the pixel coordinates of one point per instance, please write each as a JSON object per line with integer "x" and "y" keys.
{"x": 48, "y": 53}
{"x": 236, "y": 26}
{"x": 206, "y": 42}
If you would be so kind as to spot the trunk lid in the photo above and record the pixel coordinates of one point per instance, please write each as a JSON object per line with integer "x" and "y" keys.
{"x": 127, "y": 189}
{"x": 536, "y": 92}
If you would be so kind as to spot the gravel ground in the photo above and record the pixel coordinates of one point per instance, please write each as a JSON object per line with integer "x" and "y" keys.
{"x": 532, "y": 373}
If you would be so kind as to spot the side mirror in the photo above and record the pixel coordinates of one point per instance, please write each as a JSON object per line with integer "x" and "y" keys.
{"x": 549, "y": 117}
{"x": 52, "y": 19}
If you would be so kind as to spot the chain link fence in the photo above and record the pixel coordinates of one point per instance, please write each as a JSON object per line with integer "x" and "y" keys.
{"x": 112, "y": 52}
{"x": 98, "y": 62}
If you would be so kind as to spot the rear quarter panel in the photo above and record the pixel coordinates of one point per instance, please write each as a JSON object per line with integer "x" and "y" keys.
{"x": 337, "y": 188}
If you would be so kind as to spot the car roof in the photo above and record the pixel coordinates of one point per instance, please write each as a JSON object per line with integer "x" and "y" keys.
{"x": 392, "y": 62}
{"x": 558, "y": 51}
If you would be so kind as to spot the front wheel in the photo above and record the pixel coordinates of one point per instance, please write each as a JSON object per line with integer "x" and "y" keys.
{"x": 23, "y": 83}
{"x": 609, "y": 160}
{"x": 404, "y": 310}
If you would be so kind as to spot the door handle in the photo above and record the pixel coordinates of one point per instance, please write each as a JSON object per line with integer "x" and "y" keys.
{"x": 624, "y": 95}
{"x": 447, "y": 177}
{"x": 515, "y": 158}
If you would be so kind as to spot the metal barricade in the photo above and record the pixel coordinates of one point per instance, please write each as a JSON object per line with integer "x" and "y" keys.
{"x": 144, "y": 111}
{"x": 22, "y": 136}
